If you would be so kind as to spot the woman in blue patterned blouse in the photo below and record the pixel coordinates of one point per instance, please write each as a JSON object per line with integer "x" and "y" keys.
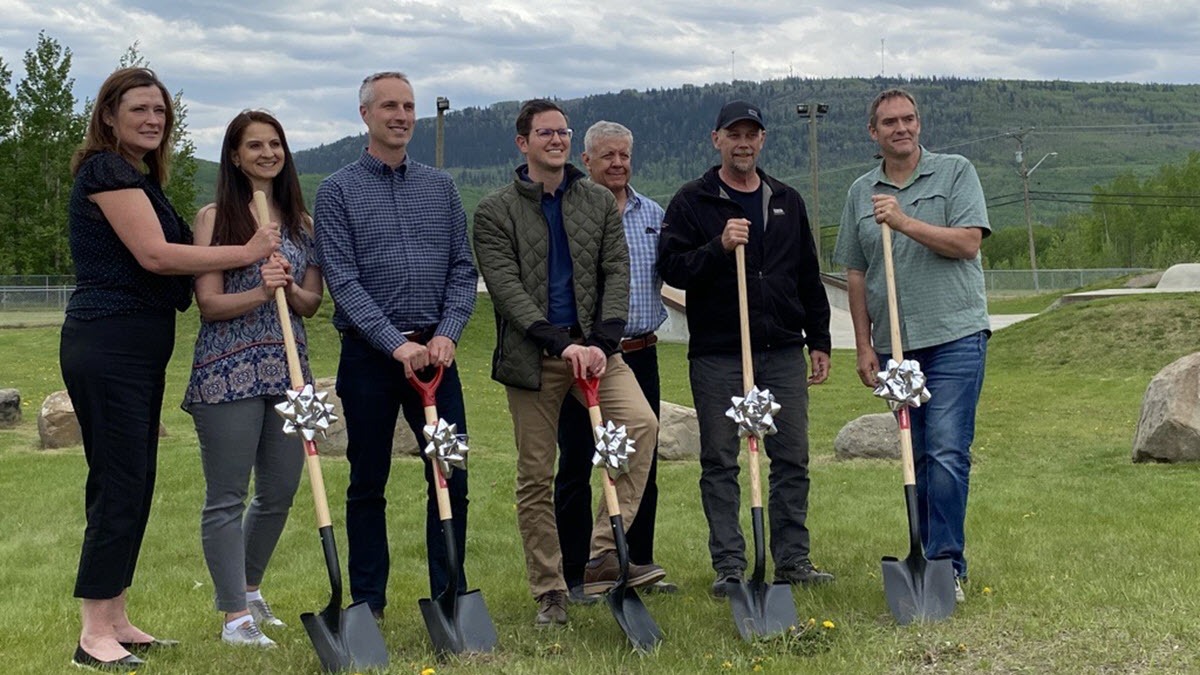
{"x": 240, "y": 370}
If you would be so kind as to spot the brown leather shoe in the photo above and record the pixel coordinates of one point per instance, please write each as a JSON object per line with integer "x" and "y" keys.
{"x": 601, "y": 574}
{"x": 552, "y": 608}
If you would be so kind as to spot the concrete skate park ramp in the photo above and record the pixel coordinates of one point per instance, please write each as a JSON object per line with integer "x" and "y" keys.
{"x": 1180, "y": 278}
{"x": 1185, "y": 277}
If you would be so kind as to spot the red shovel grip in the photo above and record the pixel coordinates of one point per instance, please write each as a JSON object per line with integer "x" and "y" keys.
{"x": 590, "y": 386}
{"x": 428, "y": 390}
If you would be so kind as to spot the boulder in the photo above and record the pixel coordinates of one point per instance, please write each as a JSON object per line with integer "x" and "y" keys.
{"x": 57, "y": 426}
{"x": 678, "y": 432}
{"x": 10, "y": 408}
{"x": 403, "y": 442}
{"x": 1148, "y": 280}
{"x": 1168, "y": 429}
{"x": 874, "y": 436}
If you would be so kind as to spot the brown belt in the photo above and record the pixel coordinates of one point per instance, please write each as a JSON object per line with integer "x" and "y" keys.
{"x": 636, "y": 343}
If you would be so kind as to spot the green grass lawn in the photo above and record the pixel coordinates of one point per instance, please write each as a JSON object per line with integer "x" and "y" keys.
{"x": 1080, "y": 560}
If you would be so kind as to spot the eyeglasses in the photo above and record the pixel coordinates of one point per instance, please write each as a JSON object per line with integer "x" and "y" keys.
{"x": 547, "y": 134}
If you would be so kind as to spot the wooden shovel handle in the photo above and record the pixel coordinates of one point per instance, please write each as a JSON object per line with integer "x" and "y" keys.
{"x": 296, "y": 374}
{"x": 906, "y": 451}
{"x": 590, "y": 386}
{"x": 747, "y": 369}
{"x": 428, "y": 391}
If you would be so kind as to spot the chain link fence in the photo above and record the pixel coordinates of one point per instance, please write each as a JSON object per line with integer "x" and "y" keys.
{"x": 36, "y": 292}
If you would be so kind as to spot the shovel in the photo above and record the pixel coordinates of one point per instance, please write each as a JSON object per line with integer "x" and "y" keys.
{"x": 456, "y": 623}
{"x": 631, "y": 614}
{"x": 348, "y": 639}
{"x": 759, "y": 609}
{"x": 917, "y": 589}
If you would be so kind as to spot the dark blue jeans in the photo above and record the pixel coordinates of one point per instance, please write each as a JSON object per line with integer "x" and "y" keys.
{"x": 572, "y": 483}
{"x": 942, "y": 432}
{"x": 373, "y": 390}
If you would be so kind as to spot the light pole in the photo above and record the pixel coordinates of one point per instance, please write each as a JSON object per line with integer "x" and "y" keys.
{"x": 813, "y": 111}
{"x": 443, "y": 104}
{"x": 1025, "y": 173}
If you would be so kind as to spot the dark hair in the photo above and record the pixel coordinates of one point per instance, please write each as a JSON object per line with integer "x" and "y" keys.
{"x": 234, "y": 223}
{"x": 884, "y": 96}
{"x": 529, "y": 109}
{"x": 101, "y": 137}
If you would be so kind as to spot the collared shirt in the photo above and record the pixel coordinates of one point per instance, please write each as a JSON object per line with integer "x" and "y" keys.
{"x": 940, "y": 299}
{"x": 560, "y": 295}
{"x": 643, "y": 219}
{"x": 392, "y": 245}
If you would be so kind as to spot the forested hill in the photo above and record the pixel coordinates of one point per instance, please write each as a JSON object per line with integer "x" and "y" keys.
{"x": 1089, "y": 125}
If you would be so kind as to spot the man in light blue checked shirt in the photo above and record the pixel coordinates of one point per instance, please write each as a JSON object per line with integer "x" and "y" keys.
{"x": 392, "y": 241}
{"x": 607, "y": 155}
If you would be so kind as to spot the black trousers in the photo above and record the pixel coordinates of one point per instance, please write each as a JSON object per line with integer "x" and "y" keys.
{"x": 572, "y": 484}
{"x": 114, "y": 368}
{"x": 374, "y": 391}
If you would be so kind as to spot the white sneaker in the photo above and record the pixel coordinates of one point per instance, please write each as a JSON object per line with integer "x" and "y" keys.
{"x": 959, "y": 596}
{"x": 263, "y": 616}
{"x": 246, "y": 634}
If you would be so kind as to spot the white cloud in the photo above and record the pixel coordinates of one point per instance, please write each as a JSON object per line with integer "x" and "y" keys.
{"x": 303, "y": 59}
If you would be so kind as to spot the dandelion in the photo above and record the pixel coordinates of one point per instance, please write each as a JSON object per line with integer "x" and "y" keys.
{"x": 757, "y": 667}
{"x": 428, "y": 671}
{"x": 828, "y": 624}
{"x": 987, "y": 590}
{"x": 727, "y": 664}
{"x": 962, "y": 647}
{"x": 708, "y": 655}
{"x": 812, "y": 621}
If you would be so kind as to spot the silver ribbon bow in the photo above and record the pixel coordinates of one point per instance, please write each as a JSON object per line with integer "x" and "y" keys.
{"x": 902, "y": 384}
{"x": 754, "y": 413}
{"x": 446, "y": 446}
{"x": 305, "y": 413}
{"x": 613, "y": 447}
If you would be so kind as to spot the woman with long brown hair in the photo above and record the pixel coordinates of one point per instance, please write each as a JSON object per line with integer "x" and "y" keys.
{"x": 133, "y": 262}
{"x": 240, "y": 371}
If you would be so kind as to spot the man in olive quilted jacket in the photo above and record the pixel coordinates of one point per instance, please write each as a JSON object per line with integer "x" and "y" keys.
{"x": 552, "y": 250}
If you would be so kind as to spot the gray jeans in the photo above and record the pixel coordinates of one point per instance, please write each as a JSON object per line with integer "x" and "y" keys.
{"x": 235, "y": 438}
{"x": 715, "y": 379}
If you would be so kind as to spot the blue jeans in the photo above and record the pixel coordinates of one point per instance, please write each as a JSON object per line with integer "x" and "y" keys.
{"x": 374, "y": 391}
{"x": 942, "y": 432}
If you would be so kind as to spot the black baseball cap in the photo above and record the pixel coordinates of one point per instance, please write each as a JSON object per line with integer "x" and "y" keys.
{"x": 736, "y": 111}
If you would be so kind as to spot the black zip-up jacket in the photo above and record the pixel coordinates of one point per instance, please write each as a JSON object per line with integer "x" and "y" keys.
{"x": 787, "y": 301}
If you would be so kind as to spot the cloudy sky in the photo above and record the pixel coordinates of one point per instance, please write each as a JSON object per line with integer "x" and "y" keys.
{"x": 303, "y": 59}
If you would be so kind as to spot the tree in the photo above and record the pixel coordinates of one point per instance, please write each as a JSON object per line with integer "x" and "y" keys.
{"x": 48, "y": 131}
{"x": 8, "y": 150}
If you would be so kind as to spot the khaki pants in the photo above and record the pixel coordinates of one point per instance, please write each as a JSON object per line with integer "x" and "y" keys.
{"x": 535, "y": 424}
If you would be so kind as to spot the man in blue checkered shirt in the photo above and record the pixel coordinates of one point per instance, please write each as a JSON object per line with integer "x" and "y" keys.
{"x": 392, "y": 240}
{"x": 607, "y": 156}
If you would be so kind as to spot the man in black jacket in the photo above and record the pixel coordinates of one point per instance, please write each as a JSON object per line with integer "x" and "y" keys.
{"x": 736, "y": 204}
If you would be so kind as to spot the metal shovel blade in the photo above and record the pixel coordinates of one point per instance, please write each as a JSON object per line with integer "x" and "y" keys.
{"x": 627, "y": 608}
{"x": 919, "y": 589}
{"x": 346, "y": 640}
{"x": 761, "y": 610}
{"x": 459, "y": 625}
{"x": 634, "y": 619}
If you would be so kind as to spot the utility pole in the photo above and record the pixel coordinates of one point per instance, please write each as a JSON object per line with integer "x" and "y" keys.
{"x": 1024, "y": 173}
{"x": 732, "y": 61}
{"x": 443, "y": 104}
{"x": 882, "y": 69}
{"x": 813, "y": 111}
